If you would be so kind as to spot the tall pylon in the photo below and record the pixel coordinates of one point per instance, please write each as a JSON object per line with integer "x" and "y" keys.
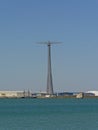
{"x": 49, "y": 89}
{"x": 49, "y": 75}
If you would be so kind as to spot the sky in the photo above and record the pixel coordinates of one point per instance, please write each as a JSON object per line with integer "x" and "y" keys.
{"x": 23, "y": 63}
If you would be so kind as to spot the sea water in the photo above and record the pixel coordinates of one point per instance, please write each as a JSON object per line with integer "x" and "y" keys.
{"x": 48, "y": 114}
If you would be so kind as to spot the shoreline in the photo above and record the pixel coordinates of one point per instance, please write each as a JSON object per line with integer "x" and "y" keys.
{"x": 51, "y": 97}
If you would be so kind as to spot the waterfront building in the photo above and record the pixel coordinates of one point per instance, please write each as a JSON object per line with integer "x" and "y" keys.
{"x": 93, "y": 92}
{"x": 14, "y": 94}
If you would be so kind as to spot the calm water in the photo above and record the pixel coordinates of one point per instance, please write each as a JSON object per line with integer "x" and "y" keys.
{"x": 48, "y": 114}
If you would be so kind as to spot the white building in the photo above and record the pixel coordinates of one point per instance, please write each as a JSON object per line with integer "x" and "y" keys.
{"x": 93, "y": 92}
{"x": 11, "y": 94}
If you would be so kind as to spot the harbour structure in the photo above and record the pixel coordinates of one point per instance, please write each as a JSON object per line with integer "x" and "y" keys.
{"x": 80, "y": 95}
{"x": 49, "y": 89}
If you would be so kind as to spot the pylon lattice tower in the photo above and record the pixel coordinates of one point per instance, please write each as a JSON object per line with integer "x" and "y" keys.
{"x": 49, "y": 75}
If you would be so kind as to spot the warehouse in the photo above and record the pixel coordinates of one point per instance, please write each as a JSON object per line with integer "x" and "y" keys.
{"x": 12, "y": 94}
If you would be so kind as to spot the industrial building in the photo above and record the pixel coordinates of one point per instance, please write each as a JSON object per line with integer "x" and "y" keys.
{"x": 95, "y": 93}
{"x": 14, "y": 94}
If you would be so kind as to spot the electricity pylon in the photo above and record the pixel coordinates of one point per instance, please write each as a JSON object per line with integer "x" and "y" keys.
{"x": 49, "y": 74}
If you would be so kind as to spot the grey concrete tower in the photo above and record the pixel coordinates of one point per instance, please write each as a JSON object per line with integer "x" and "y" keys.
{"x": 49, "y": 76}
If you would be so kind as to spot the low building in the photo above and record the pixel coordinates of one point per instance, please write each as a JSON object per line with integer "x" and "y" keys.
{"x": 65, "y": 94}
{"x": 11, "y": 94}
{"x": 93, "y": 92}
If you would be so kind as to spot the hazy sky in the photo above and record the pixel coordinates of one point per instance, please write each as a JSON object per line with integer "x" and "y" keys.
{"x": 23, "y": 64}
